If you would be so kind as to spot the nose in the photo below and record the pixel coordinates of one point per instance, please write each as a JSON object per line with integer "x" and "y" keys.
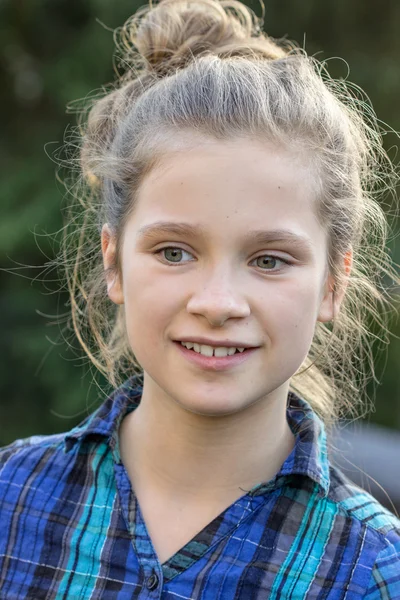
{"x": 218, "y": 299}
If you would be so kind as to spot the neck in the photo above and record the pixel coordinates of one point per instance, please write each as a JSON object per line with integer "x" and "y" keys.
{"x": 190, "y": 456}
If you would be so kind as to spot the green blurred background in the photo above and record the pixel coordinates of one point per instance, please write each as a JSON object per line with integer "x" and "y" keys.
{"x": 55, "y": 51}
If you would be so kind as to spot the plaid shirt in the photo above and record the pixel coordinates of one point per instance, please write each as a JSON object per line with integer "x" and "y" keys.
{"x": 71, "y": 526}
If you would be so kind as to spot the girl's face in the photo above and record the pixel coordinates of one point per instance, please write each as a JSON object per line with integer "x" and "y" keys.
{"x": 223, "y": 244}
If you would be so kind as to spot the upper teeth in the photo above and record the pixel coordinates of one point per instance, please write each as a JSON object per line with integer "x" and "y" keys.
{"x": 210, "y": 350}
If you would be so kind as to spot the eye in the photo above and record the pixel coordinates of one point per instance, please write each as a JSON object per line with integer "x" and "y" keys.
{"x": 173, "y": 255}
{"x": 174, "y": 252}
{"x": 269, "y": 261}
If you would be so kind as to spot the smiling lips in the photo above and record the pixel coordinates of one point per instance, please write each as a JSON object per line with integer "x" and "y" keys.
{"x": 207, "y": 350}
{"x": 229, "y": 358}
{"x": 216, "y": 343}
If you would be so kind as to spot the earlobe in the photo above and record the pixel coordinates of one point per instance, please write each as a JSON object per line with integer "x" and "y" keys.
{"x": 333, "y": 297}
{"x": 327, "y": 307}
{"x": 108, "y": 248}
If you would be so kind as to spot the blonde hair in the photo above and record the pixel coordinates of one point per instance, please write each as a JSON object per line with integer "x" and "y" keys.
{"x": 205, "y": 67}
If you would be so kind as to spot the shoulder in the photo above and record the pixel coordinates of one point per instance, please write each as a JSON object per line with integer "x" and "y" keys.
{"x": 25, "y": 460}
{"x": 36, "y": 444}
{"x": 47, "y": 490}
{"x": 31, "y": 442}
{"x": 377, "y": 531}
{"x": 40, "y": 477}
{"x": 361, "y": 506}
{"x": 29, "y": 470}
{"x": 30, "y": 448}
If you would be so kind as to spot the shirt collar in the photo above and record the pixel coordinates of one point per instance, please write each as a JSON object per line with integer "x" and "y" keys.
{"x": 105, "y": 421}
{"x": 308, "y": 458}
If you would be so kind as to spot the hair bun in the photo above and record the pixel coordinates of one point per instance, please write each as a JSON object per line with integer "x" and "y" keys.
{"x": 170, "y": 34}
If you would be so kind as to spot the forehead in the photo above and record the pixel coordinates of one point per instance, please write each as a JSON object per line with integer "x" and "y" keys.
{"x": 229, "y": 187}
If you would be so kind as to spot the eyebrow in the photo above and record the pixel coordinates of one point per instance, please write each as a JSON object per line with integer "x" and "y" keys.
{"x": 257, "y": 236}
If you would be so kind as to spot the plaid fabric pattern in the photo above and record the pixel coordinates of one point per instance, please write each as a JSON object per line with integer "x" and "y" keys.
{"x": 71, "y": 526}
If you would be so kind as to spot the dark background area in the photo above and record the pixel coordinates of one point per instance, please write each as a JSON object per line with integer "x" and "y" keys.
{"x": 56, "y": 51}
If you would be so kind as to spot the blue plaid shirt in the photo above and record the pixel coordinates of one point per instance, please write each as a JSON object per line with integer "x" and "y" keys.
{"x": 71, "y": 526}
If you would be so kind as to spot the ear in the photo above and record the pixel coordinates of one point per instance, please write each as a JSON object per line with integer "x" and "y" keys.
{"x": 108, "y": 248}
{"x": 332, "y": 299}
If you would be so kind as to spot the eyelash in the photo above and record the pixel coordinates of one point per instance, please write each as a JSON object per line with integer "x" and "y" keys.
{"x": 171, "y": 264}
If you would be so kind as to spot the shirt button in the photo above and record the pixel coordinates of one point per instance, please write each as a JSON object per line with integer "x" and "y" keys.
{"x": 152, "y": 582}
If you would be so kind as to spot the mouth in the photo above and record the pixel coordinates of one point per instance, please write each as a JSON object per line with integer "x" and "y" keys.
{"x": 217, "y": 351}
{"x": 210, "y": 360}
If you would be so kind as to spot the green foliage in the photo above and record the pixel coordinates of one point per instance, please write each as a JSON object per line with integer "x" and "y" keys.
{"x": 55, "y": 51}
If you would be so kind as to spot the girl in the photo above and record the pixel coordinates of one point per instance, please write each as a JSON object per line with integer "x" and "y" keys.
{"x": 236, "y": 259}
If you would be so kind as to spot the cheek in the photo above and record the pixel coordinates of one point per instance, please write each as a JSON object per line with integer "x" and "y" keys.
{"x": 291, "y": 312}
{"x": 150, "y": 302}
